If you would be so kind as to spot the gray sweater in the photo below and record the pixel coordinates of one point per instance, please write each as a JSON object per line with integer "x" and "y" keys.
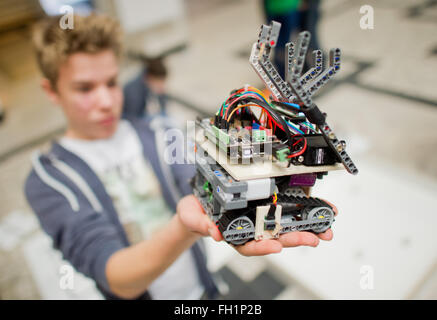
{"x": 74, "y": 208}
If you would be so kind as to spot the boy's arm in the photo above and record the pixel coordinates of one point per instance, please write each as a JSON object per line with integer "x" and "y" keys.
{"x": 93, "y": 245}
{"x": 86, "y": 238}
{"x": 131, "y": 270}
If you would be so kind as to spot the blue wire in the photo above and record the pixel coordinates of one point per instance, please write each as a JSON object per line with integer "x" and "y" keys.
{"x": 292, "y": 104}
{"x": 309, "y": 125}
{"x": 293, "y": 127}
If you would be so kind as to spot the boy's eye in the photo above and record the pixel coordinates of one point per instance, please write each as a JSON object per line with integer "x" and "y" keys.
{"x": 112, "y": 83}
{"x": 84, "y": 88}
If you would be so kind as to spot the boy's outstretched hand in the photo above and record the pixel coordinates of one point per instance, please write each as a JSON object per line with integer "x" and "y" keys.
{"x": 193, "y": 217}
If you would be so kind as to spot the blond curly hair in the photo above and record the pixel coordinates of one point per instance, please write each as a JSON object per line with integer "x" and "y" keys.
{"x": 90, "y": 34}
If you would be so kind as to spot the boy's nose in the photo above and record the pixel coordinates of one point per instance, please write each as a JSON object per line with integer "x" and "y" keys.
{"x": 105, "y": 99}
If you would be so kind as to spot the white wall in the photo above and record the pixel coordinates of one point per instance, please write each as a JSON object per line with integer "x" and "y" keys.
{"x": 139, "y": 15}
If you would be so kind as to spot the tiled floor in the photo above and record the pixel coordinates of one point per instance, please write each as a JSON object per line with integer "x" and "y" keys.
{"x": 383, "y": 104}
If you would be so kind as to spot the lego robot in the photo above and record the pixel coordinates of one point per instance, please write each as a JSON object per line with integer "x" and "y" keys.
{"x": 257, "y": 157}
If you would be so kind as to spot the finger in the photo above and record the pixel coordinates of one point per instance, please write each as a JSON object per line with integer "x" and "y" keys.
{"x": 215, "y": 233}
{"x": 259, "y": 248}
{"x": 298, "y": 238}
{"x": 189, "y": 203}
{"x": 327, "y": 235}
{"x": 193, "y": 216}
{"x": 193, "y": 202}
{"x": 207, "y": 227}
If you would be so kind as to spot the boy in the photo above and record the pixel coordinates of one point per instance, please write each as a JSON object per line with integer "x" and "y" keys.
{"x": 103, "y": 192}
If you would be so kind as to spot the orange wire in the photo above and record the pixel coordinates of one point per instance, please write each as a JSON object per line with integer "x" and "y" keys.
{"x": 258, "y": 91}
{"x": 243, "y": 105}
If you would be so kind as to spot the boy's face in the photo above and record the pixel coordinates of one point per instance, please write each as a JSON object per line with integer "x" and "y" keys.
{"x": 88, "y": 91}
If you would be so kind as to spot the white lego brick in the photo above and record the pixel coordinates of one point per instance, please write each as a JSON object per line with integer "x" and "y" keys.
{"x": 258, "y": 189}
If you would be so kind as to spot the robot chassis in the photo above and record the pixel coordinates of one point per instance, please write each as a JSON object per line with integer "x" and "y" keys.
{"x": 244, "y": 197}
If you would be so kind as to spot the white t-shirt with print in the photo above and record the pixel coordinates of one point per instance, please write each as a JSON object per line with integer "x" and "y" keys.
{"x": 130, "y": 181}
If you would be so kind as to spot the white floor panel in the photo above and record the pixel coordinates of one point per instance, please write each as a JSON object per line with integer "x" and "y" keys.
{"x": 55, "y": 278}
{"x": 385, "y": 231}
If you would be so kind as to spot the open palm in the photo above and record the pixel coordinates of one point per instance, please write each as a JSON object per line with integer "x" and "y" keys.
{"x": 195, "y": 220}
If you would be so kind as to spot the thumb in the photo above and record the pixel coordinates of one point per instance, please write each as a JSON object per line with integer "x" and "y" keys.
{"x": 208, "y": 227}
{"x": 215, "y": 233}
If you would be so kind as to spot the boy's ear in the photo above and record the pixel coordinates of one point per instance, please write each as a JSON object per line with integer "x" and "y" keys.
{"x": 51, "y": 92}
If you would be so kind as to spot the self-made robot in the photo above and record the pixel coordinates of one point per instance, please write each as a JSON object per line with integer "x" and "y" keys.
{"x": 258, "y": 156}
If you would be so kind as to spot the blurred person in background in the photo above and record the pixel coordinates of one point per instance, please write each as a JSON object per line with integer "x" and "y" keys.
{"x": 295, "y": 16}
{"x": 145, "y": 94}
{"x": 287, "y": 13}
{"x": 103, "y": 192}
{"x": 309, "y": 18}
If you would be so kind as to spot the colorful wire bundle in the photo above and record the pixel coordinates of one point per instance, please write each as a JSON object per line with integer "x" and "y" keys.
{"x": 243, "y": 99}
{"x": 239, "y": 95}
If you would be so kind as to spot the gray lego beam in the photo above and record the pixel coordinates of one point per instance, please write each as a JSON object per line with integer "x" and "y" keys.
{"x": 296, "y": 84}
{"x": 255, "y": 63}
{"x": 338, "y": 148}
{"x": 289, "y": 56}
{"x": 302, "y": 44}
{"x": 283, "y": 91}
{"x": 273, "y": 34}
{"x": 276, "y": 79}
{"x": 263, "y": 35}
{"x": 314, "y": 71}
{"x": 322, "y": 79}
{"x": 298, "y": 88}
